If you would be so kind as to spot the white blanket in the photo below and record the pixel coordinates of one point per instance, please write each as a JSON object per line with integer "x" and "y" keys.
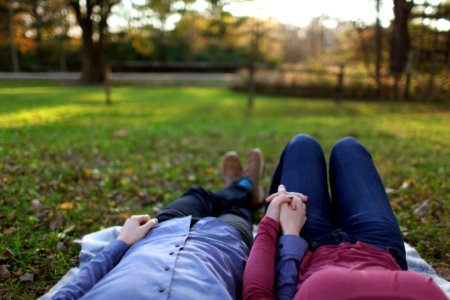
{"x": 94, "y": 242}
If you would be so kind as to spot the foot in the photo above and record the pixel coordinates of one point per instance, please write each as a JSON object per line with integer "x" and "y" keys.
{"x": 254, "y": 170}
{"x": 231, "y": 168}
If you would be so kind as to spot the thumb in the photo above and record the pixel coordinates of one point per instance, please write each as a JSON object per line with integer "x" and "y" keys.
{"x": 150, "y": 224}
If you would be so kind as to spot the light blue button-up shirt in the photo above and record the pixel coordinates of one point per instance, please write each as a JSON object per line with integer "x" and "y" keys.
{"x": 173, "y": 261}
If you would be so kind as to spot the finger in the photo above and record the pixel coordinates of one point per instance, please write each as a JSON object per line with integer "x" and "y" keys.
{"x": 281, "y": 189}
{"x": 142, "y": 219}
{"x": 282, "y": 199}
{"x": 301, "y": 196}
{"x": 294, "y": 205}
{"x": 270, "y": 198}
{"x": 150, "y": 224}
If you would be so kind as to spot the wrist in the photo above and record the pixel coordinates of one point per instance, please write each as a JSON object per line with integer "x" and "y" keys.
{"x": 123, "y": 239}
{"x": 291, "y": 232}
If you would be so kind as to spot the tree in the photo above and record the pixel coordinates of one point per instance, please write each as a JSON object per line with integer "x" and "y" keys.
{"x": 378, "y": 49}
{"x": 400, "y": 43}
{"x": 92, "y": 17}
{"x": 12, "y": 7}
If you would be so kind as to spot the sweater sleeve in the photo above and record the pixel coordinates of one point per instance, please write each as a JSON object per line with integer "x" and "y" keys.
{"x": 95, "y": 270}
{"x": 291, "y": 251}
{"x": 259, "y": 273}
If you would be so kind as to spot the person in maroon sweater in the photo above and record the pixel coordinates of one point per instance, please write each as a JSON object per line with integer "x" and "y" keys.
{"x": 347, "y": 246}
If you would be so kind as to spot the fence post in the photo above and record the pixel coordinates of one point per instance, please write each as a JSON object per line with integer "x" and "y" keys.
{"x": 340, "y": 83}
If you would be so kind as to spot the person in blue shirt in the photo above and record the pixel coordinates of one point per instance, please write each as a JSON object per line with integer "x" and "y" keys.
{"x": 195, "y": 248}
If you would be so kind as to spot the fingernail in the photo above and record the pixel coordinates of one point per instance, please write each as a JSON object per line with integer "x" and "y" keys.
{"x": 155, "y": 220}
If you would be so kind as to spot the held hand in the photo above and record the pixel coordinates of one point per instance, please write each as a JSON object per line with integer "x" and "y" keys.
{"x": 299, "y": 195}
{"x": 276, "y": 200}
{"x": 292, "y": 221}
{"x": 135, "y": 228}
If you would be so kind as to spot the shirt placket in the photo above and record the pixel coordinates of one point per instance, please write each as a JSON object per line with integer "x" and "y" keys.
{"x": 167, "y": 269}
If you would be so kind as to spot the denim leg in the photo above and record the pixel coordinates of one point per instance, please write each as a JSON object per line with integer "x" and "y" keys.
{"x": 302, "y": 169}
{"x": 196, "y": 202}
{"x": 200, "y": 203}
{"x": 360, "y": 203}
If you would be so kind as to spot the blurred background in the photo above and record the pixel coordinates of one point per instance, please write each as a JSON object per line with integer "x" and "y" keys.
{"x": 392, "y": 49}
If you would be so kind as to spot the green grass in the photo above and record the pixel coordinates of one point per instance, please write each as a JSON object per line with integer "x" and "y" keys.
{"x": 57, "y": 147}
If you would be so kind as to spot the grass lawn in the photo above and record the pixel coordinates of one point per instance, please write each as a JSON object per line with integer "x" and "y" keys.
{"x": 65, "y": 170}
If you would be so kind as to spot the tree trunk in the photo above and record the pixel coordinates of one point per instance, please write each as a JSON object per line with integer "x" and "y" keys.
{"x": 433, "y": 66}
{"x": 378, "y": 47}
{"x": 93, "y": 58}
{"x": 12, "y": 39}
{"x": 93, "y": 53}
{"x": 399, "y": 41}
{"x": 407, "y": 92}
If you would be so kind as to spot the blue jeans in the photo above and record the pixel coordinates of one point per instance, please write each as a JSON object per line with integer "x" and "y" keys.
{"x": 231, "y": 205}
{"x": 359, "y": 210}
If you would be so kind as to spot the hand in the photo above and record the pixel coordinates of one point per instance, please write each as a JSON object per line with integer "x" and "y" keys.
{"x": 304, "y": 198}
{"x": 276, "y": 200}
{"x": 292, "y": 221}
{"x": 135, "y": 228}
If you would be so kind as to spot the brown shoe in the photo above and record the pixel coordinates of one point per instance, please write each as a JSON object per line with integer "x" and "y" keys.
{"x": 231, "y": 168}
{"x": 254, "y": 170}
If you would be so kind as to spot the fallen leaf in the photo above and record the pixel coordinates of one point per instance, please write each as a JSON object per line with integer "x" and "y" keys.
{"x": 33, "y": 219}
{"x": 36, "y": 205}
{"x": 4, "y": 272}
{"x": 7, "y": 254}
{"x": 27, "y": 277}
{"x": 69, "y": 229}
{"x": 125, "y": 215}
{"x": 407, "y": 183}
{"x": 422, "y": 208}
{"x": 390, "y": 191}
{"x": 59, "y": 246}
{"x": 56, "y": 221}
{"x": 120, "y": 133}
{"x": 157, "y": 207}
{"x": 66, "y": 205}
{"x": 9, "y": 230}
{"x": 88, "y": 221}
{"x": 128, "y": 170}
{"x": 210, "y": 170}
{"x": 8, "y": 180}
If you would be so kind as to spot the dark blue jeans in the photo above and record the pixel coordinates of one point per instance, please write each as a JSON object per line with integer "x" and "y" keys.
{"x": 359, "y": 208}
{"x": 231, "y": 205}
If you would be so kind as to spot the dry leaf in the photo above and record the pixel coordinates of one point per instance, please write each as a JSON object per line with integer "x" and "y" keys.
{"x": 9, "y": 230}
{"x": 27, "y": 277}
{"x": 36, "y": 205}
{"x": 128, "y": 170}
{"x": 125, "y": 215}
{"x": 69, "y": 229}
{"x": 210, "y": 170}
{"x": 66, "y": 205}
{"x": 120, "y": 133}
{"x": 4, "y": 272}
{"x": 407, "y": 183}
{"x": 56, "y": 221}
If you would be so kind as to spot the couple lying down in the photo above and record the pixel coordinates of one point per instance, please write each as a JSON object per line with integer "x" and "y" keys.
{"x": 311, "y": 243}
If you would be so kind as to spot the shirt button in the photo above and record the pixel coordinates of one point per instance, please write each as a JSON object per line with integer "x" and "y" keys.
{"x": 166, "y": 268}
{"x": 171, "y": 253}
{"x": 161, "y": 289}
